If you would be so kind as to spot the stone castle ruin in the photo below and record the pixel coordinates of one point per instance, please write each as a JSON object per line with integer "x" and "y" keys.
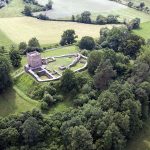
{"x": 37, "y": 66}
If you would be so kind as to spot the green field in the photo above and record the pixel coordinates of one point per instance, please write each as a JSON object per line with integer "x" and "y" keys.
{"x": 20, "y": 29}
{"x": 14, "y": 103}
{"x": 144, "y": 31}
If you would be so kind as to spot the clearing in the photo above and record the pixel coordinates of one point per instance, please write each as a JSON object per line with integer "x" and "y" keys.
{"x": 20, "y": 29}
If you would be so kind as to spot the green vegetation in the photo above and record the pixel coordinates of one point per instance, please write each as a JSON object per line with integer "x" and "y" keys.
{"x": 144, "y": 30}
{"x": 103, "y": 108}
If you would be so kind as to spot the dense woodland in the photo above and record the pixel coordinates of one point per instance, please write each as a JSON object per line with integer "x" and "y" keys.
{"x": 110, "y": 98}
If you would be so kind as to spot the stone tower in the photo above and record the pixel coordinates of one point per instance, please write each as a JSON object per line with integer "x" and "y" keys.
{"x": 34, "y": 59}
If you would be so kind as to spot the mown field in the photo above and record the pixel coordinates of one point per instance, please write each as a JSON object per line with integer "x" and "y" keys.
{"x": 20, "y": 29}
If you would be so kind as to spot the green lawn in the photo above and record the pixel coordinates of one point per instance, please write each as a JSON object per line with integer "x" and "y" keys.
{"x": 142, "y": 140}
{"x": 144, "y": 31}
{"x": 13, "y": 103}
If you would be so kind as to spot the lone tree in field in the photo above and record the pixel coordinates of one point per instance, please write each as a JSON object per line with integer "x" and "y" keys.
{"x": 5, "y": 78}
{"x": 68, "y": 37}
{"x": 15, "y": 57}
{"x": 87, "y": 43}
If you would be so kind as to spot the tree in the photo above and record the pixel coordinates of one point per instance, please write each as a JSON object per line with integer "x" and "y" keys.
{"x": 113, "y": 139}
{"x": 104, "y": 74}
{"x": 101, "y": 20}
{"x": 86, "y": 17}
{"x": 87, "y": 43}
{"x": 15, "y": 57}
{"x": 68, "y": 81}
{"x": 111, "y": 19}
{"x": 8, "y": 137}
{"x": 134, "y": 24}
{"x": 27, "y": 11}
{"x": 49, "y": 5}
{"x": 31, "y": 131}
{"x": 93, "y": 61}
{"x": 108, "y": 100}
{"x": 81, "y": 139}
{"x": 22, "y": 46}
{"x": 34, "y": 43}
{"x": 68, "y": 37}
{"x": 5, "y": 78}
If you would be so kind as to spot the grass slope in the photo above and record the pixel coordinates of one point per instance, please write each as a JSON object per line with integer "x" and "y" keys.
{"x": 12, "y": 103}
{"x": 20, "y": 29}
{"x": 144, "y": 31}
{"x": 5, "y": 41}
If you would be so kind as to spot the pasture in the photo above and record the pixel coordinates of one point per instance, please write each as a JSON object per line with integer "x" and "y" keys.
{"x": 144, "y": 31}
{"x": 20, "y": 29}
